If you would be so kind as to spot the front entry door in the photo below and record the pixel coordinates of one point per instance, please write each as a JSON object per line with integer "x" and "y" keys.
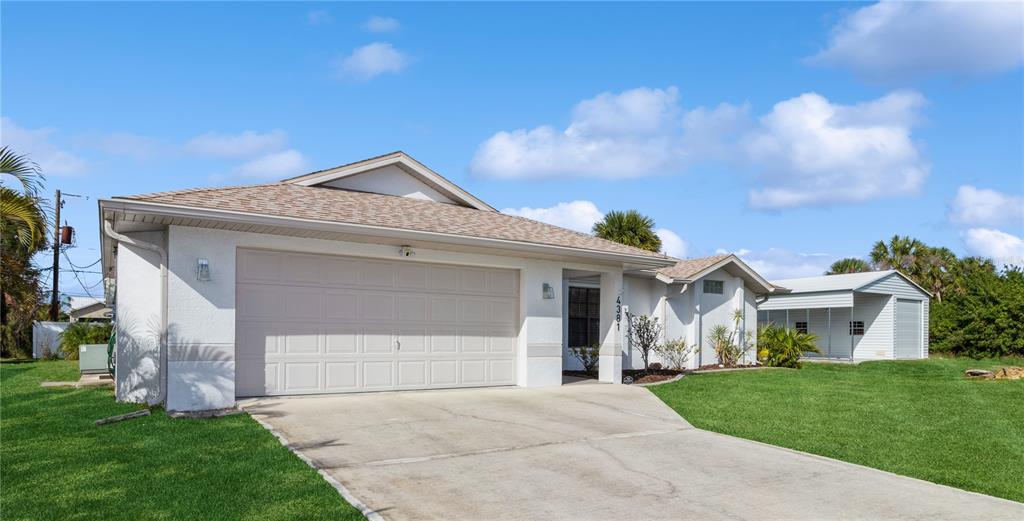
{"x": 584, "y": 316}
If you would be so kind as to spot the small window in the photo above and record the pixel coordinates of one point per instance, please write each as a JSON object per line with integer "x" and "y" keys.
{"x": 857, "y": 327}
{"x": 801, "y": 327}
{"x": 714, "y": 286}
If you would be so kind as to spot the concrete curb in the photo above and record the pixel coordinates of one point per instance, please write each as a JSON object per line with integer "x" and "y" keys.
{"x": 371, "y": 515}
{"x": 675, "y": 378}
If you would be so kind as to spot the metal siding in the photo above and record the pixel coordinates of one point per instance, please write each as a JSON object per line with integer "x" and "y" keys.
{"x": 894, "y": 285}
{"x": 908, "y": 328}
{"x": 830, "y": 299}
{"x": 924, "y": 328}
{"x": 877, "y": 313}
{"x": 325, "y": 324}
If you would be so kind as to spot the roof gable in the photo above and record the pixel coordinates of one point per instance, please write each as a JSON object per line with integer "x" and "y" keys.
{"x": 396, "y": 173}
{"x": 863, "y": 281}
{"x": 689, "y": 270}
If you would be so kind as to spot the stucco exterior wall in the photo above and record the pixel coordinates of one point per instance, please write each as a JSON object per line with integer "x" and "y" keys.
{"x": 138, "y": 374}
{"x": 201, "y": 314}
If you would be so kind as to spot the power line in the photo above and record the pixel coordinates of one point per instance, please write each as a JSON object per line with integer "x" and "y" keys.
{"x": 81, "y": 267}
{"x": 80, "y": 283}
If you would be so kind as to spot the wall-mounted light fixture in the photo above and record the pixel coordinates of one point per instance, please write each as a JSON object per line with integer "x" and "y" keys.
{"x": 548, "y": 291}
{"x": 203, "y": 270}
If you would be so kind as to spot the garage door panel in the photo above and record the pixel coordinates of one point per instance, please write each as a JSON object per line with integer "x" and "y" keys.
{"x": 341, "y": 376}
{"x": 378, "y": 374}
{"x": 340, "y": 305}
{"x": 302, "y": 377}
{"x": 908, "y": 328}
{"x": 378, "y": 274}
{"x": 302, "y": 303}
{"x": 444, "y": 372}
{"x": 309, "y": 323}
{"x": 259, "y": 266}
{"x": 341, "y": 341}
{"x": 443, "y": 278}
{"x": 473, "y": 341}
{"x": 412, "y": 342}
{"x": 502, "y": 371}
{"x": 473, "y": 372}
{"x": 412, "y": 373}
{"x": 303, "y": 269}
{"x": 444, "y": 309}
{"x": 412, "y": 308}
{"x": 377, "y": 307}
{"x": 444, "y": 341}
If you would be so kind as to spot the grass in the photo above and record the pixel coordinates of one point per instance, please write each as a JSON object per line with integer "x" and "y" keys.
{"x": 56, "y": 464}
{"x": 916, "y": 418}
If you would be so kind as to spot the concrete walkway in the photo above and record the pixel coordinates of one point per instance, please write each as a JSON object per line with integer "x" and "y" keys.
{"x": 583, "y": 452}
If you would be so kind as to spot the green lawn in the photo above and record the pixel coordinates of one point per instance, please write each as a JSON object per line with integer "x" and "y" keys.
{"x": 56, "y": 464}
{"x": 916, "y": 418}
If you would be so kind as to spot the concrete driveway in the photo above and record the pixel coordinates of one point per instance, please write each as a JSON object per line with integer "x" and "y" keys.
{"x": 585, "y": 451}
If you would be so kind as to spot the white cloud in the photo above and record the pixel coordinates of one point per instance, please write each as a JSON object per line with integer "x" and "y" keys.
{"x": 277, "y": 165}
{"x": 671, "y": 243}
{"x": 246, "y": 144}
{"x": 319, "y": 17}
{"x": 37, "y": 145}
{"x": 370, "y": 61}
{"x": 575, "y": 215}
{"x": 904, "y": 40}
{"x": 812, "y": 152}
{"x": 581, "y": 216}
{"x": 381, "y": 24}
{"x": 983, "y": 207}
{"x": 624, "y": 135}
{"x": 123, "y": 144}
{"x": 778, "y": 263}
{"x": 808, "y": 151}
{"x": 1001, "y": 247}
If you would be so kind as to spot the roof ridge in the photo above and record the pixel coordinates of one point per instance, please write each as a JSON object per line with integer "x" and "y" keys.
{"x": 287, "y": 180}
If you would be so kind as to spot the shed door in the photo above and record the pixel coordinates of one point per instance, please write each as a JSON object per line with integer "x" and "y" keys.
{"x": 908, "y": 328}
{"x": 310, "y": 324}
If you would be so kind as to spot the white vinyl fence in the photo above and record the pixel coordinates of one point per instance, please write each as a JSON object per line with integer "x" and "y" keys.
{"x": 46, "y": 335}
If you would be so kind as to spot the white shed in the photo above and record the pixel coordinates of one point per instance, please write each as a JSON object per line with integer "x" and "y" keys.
{"x": 877, "y": 315}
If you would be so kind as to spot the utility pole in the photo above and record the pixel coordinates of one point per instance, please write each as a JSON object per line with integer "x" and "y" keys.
{"x": 55, "y": 296}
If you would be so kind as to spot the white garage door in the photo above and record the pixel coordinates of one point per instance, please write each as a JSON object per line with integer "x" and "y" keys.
{"x": 908, "y": 328}
{"x": 325, "y": 324}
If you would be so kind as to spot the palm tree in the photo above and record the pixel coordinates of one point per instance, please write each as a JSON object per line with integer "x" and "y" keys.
{"x": 848, "y": 265}
{"x": 937, "y": 270}
{"x": 22, "y": 233}
{"x": 21, "y": 213}
{"x": 630, "y": 228}
{"x": 901, "y": 253}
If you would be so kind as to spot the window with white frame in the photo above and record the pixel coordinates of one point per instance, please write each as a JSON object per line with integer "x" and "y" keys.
{"x": 801, "y": 327}
{"x": 716, "y": 287}
{"x": 857, "y": 327}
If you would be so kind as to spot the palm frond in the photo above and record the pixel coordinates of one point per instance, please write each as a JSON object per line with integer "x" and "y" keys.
{"x": 23, "y": 169}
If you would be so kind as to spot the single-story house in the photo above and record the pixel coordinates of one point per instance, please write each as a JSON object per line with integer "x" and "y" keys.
{"x": 876, "y": 315}
{"x": 372, "y": 276}
{"x": 88, "y": 308}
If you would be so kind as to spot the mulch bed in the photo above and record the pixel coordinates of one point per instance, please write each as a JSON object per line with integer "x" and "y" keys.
{"x": 712, "y": 367}
{"x": 638, "y": 375}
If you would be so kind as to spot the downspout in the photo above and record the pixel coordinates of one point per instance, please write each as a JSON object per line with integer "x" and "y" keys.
{"x": 108, "y": 229}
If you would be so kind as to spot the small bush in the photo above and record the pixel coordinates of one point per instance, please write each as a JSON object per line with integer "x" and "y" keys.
{"x": 783, "y": 347}
{"x": 728, "y": 350}
{"x": 644, "y": 332}
{"x": 675, "y": 353}
{"x": 588, "y": 356}
{"x": 80, "y": 333}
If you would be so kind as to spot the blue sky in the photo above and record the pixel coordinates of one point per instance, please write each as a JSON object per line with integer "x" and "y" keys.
{"x": 792, "y": 133}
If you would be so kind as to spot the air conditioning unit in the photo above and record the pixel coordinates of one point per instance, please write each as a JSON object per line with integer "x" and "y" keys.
{"x": 92, "y": 358}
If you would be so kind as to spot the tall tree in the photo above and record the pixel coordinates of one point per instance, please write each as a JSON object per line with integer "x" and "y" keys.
{"x": 937, "y": 268}
{"x": 22, "y": 233}
{"x": 630, "y": 228}
{"x": 901, "y": 253}
{"x": 848, "y": 265}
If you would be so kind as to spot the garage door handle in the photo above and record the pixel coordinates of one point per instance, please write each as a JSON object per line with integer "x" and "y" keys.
{"x": 398, "y": 345}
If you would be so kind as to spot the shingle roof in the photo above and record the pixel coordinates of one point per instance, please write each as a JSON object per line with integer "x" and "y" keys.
{"x": 687, "y": 268}
{"x": 370, "y": 209}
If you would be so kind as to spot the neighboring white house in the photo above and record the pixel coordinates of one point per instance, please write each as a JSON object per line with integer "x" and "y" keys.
{"x": 88, "y": 308}
{"x": 861, "y": 316}
{"x": 688, "y": 299}
{"x": 377, "y": 275}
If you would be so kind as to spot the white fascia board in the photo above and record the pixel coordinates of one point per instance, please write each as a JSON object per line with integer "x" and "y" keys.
{"x": 190, "y": 212}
